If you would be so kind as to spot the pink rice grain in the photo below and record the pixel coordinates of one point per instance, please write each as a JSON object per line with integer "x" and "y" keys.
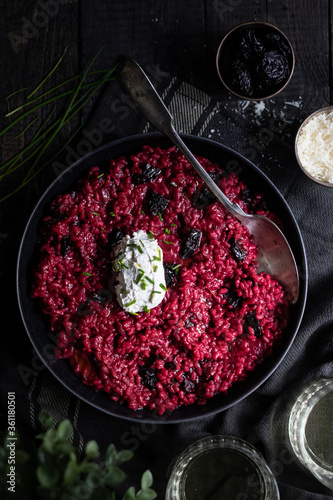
{"x": 217, "y": 322}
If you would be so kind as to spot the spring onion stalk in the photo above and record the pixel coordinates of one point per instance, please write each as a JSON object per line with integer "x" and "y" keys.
{"x": 46, "y": 132}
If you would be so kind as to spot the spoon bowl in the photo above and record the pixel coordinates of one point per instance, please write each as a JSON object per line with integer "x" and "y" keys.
{"x": 275, "y": 256}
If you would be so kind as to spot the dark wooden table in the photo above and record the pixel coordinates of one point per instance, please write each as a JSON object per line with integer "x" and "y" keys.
{"x": 174, "y": 37}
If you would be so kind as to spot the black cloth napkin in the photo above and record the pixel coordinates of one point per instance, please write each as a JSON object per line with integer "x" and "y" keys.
{"x": 264, "y": 133}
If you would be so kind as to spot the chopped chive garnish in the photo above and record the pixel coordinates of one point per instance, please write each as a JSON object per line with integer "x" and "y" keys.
{"x": 118, "y": 255}
{"x": 142, "y": 212}
{"x": 100, "y": 175}
{"x": 176, "y": 267}
{"x": 130, "y": 303}
{"x": 139, "y": 278}
{"x": 131, "y": 245}
{"x": 86, "y": 274}
{"x": 143, "y": 285}
{"x": 167, "y": 231}
{"x": 150, "y": 235}
{"x": 145, "y": 309}
{"x": 155, "y": 268}
{"x": 160, "y": 216}
{"x": 168, "y": 242}
{"x": 134, "y": 314}
{"x": 142, "y": 243}
{"x": 120, "y": 262}
{"x": 163, "y": 287}
{"x": 112, "y": 214}
{"x": 140, "y": 249}
{"x": 123, "y": 292}
{"x": 115, "y": 267}
{"x": 94, "y": 213}
{"x": 154, "y": 291}
{"x": 102, "y": 229}
{"x": 173, "y": 225}
{"x": 150, "y": 280}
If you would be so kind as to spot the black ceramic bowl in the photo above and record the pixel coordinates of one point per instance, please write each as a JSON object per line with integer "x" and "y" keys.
{"x": 261, "y": 62}
{"x": 36, "y": 323}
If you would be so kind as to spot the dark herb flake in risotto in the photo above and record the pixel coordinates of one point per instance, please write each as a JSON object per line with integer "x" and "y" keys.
{"x": 218, "y": 319}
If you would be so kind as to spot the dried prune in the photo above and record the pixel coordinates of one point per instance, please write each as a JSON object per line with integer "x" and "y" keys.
{"x": 65, "y": 243}
{"x": 261, "y": 63}
{"x": 203, "y": 198}
{"x": 190, "y": 243}
{"x": 241, "y": 79}
{"x": 169, "y": 273}
{"x": 137, "y": 178}
{"x": 238, "y": 252}
{"x": 233, "y": 299}
{"x": 189, "y": 323}
{"x": 156, "y": 202}
{"x": 114, "y": 237}
{"x": 170, "y": 365}
{"x": 271, "y": 70}
{"x": 246, "y": 196}
{"x": 251, "y": 45}
{"x": 149, "y": 173}
{"x": 187, "y": 385}
{"x": 101, "y": 296}
{"x": 148, "y": 376}
{"x": 252, "y": 321}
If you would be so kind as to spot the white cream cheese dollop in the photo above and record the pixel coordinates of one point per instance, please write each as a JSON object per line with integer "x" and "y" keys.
{"x": 141, "y": 281}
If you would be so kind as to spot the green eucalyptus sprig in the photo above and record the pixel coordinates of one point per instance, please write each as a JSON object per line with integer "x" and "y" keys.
{"x": 78, "y": 90}
{"x": 56, "y": 470}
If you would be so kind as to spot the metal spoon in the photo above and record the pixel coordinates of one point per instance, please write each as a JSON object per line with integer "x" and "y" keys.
{"x": 274, "y": 253}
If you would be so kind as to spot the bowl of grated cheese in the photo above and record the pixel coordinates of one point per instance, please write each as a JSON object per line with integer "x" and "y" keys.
{"x": 314, "y": 146}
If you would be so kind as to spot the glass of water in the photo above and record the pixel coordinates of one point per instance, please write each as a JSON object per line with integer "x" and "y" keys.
{"x": 311, "y": 429}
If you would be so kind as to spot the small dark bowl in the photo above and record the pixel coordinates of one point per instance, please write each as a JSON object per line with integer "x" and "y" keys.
{"x": 36, "y": 323}
{"x": 226, "y": 55}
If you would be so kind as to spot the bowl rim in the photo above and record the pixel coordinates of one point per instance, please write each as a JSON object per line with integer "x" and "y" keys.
{"x": 219, "y": 53}
{"x": 88, "y": 394}
{"x": 325, "y": 109}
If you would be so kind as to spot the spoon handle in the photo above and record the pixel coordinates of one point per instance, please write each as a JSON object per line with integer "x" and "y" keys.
{"x": 135, "y": 83}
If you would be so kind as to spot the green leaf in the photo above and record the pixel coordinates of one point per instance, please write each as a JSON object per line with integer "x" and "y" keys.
{"x": 47, "y": 475}
{"x": 87, "y": 467}
{"x": 129, "y": 494}
{"x": 71, "y": 471}
{"x": 114, "y": 478}
{"x": 45, "y": 419}
{"x": 49, "y": 440}
{"x": 92, "y": 450}
{"x": 147, "y": 494}
{"x": 124, "y": 456}
{"x": 64, "y": 429}
{"x": 146, "y": 480}
{"x": 63, "y": 448}
{"x": 111, "y": 455}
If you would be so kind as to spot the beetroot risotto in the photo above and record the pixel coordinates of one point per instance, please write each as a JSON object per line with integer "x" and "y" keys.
{"x": 218, "y": 319}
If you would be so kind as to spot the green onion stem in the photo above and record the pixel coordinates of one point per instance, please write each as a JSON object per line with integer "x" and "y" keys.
{"x": 47, "y": 135}
{"x": 21, "y": 133}
{"x": 63, "y": 121}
